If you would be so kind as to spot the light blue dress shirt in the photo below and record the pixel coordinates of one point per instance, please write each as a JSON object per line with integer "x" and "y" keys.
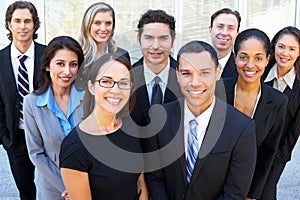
{"x": 67, "y": 122}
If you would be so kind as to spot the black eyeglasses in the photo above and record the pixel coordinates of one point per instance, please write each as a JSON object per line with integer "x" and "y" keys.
{"x": 109, "y": 83}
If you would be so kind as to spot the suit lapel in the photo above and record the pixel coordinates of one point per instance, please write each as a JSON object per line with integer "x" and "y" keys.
{"x": 230, "y": 68}
{"x": 264, "y": 107}
{"x": 212, "y": 135}
{"x": 230, "y": 90}
{"x": 173, "y": 89}
{"x": 140, "y": 85}
{"x": 177, "y": 118}
{"x": 38, "y": 52}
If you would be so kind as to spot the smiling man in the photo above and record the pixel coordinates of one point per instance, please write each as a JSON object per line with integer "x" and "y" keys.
{"x": 19, "y": 69}
{"x": 224, "y": 28}
{"x": 154, "y": 73}
{"x": 212, "y": 144}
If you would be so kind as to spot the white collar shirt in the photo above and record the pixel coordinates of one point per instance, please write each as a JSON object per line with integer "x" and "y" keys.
{"x": 280, "y": 83}
{"x": 149, "y": 79}
{"x": 202, "y": 121}
{"x": 29, "y": 63}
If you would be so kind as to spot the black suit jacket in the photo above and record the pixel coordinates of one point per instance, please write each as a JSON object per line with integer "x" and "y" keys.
{"x": 269, "y": 118}
{"x": 9, "y": 100}
{"x": 140, "y": 111}
{"x": 230, "y": 70}
{"x": 292, "y": 123}
{"x": 225, "y": 163}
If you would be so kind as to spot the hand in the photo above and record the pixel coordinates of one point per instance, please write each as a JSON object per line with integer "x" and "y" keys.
{"x": 65, "y": 195}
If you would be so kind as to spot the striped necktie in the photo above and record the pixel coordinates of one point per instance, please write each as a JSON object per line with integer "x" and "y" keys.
{"x": 193, "y": 149}
{"x": 23, "y": 83}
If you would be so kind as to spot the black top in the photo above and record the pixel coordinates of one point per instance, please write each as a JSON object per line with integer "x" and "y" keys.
{"x": 115, "y": 173}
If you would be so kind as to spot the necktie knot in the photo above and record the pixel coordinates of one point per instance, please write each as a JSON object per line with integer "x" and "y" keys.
{"x": 22, "y": 58}
{"x": 157, "y": 80}
{"x": 193, "y": 127}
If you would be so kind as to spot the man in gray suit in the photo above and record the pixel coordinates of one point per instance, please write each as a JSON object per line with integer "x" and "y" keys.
{"x": 22, "y": 21}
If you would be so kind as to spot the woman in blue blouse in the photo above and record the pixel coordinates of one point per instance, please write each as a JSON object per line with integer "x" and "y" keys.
{"x": 52, "y": 111}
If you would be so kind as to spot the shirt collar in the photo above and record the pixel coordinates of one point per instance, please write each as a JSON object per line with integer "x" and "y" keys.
{"x": 202, "y": 119}
{"x": 15, "y": 53}
{"x": 289, "y": 78}
{"x": 47, "y": 98}
{"x": 163, "y": 75}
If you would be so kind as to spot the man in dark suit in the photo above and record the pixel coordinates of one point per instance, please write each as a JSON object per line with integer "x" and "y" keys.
{"x": 156, "y": 35}
{"x": 206, "y": 149}
{"x": 22, "y": 22}
{"x": 224, "y": 27}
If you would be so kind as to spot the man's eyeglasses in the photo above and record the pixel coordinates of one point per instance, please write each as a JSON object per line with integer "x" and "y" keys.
{"x": 109, "y": 83}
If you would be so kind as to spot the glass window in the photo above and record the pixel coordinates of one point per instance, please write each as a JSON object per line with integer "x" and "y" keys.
{"x": 192, "y": 18}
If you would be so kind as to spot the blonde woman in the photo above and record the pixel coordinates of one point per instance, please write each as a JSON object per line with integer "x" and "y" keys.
{"x": 96, "y": 38}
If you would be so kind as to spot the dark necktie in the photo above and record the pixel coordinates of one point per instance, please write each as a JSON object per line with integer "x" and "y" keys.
{"x": 23, "y": 83}
{"x": 156, "y": 92}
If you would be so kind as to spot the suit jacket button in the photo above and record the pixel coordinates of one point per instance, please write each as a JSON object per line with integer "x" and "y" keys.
{"x": 183, "y": 195}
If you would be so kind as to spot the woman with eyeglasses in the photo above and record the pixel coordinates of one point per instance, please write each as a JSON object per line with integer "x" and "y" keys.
{"x": 101, "y": 158}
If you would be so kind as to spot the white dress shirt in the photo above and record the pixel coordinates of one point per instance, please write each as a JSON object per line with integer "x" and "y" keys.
{"x": 149, "y": 79}
{"x": 29, "y": 63}
{"x": 202, "y": 121}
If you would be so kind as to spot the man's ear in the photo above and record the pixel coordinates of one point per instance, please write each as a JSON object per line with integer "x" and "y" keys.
{"x": 219, "y": 72}
{"x": 138, "y": 39}
{"x": 177, "y": 73}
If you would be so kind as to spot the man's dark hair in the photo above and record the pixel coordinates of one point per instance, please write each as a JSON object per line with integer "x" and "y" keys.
{"x": 152, "y": 16}
{"x": 198, "y": 47}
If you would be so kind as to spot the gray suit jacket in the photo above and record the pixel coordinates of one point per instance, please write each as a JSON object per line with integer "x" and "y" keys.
{"x": 43, "y": 137}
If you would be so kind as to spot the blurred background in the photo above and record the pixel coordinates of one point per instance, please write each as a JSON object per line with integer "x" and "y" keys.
{"x": 63, "y": 17}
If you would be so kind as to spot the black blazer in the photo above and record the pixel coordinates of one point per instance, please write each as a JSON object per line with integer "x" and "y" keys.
{"x": 230, "y": 70}
{"x": 9, "y": 100}
{"x": 292, "y": 123}
{"x": 269, "y": 118}
{"x": 226, "y": 160}
{"x": 140, "y": 111}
